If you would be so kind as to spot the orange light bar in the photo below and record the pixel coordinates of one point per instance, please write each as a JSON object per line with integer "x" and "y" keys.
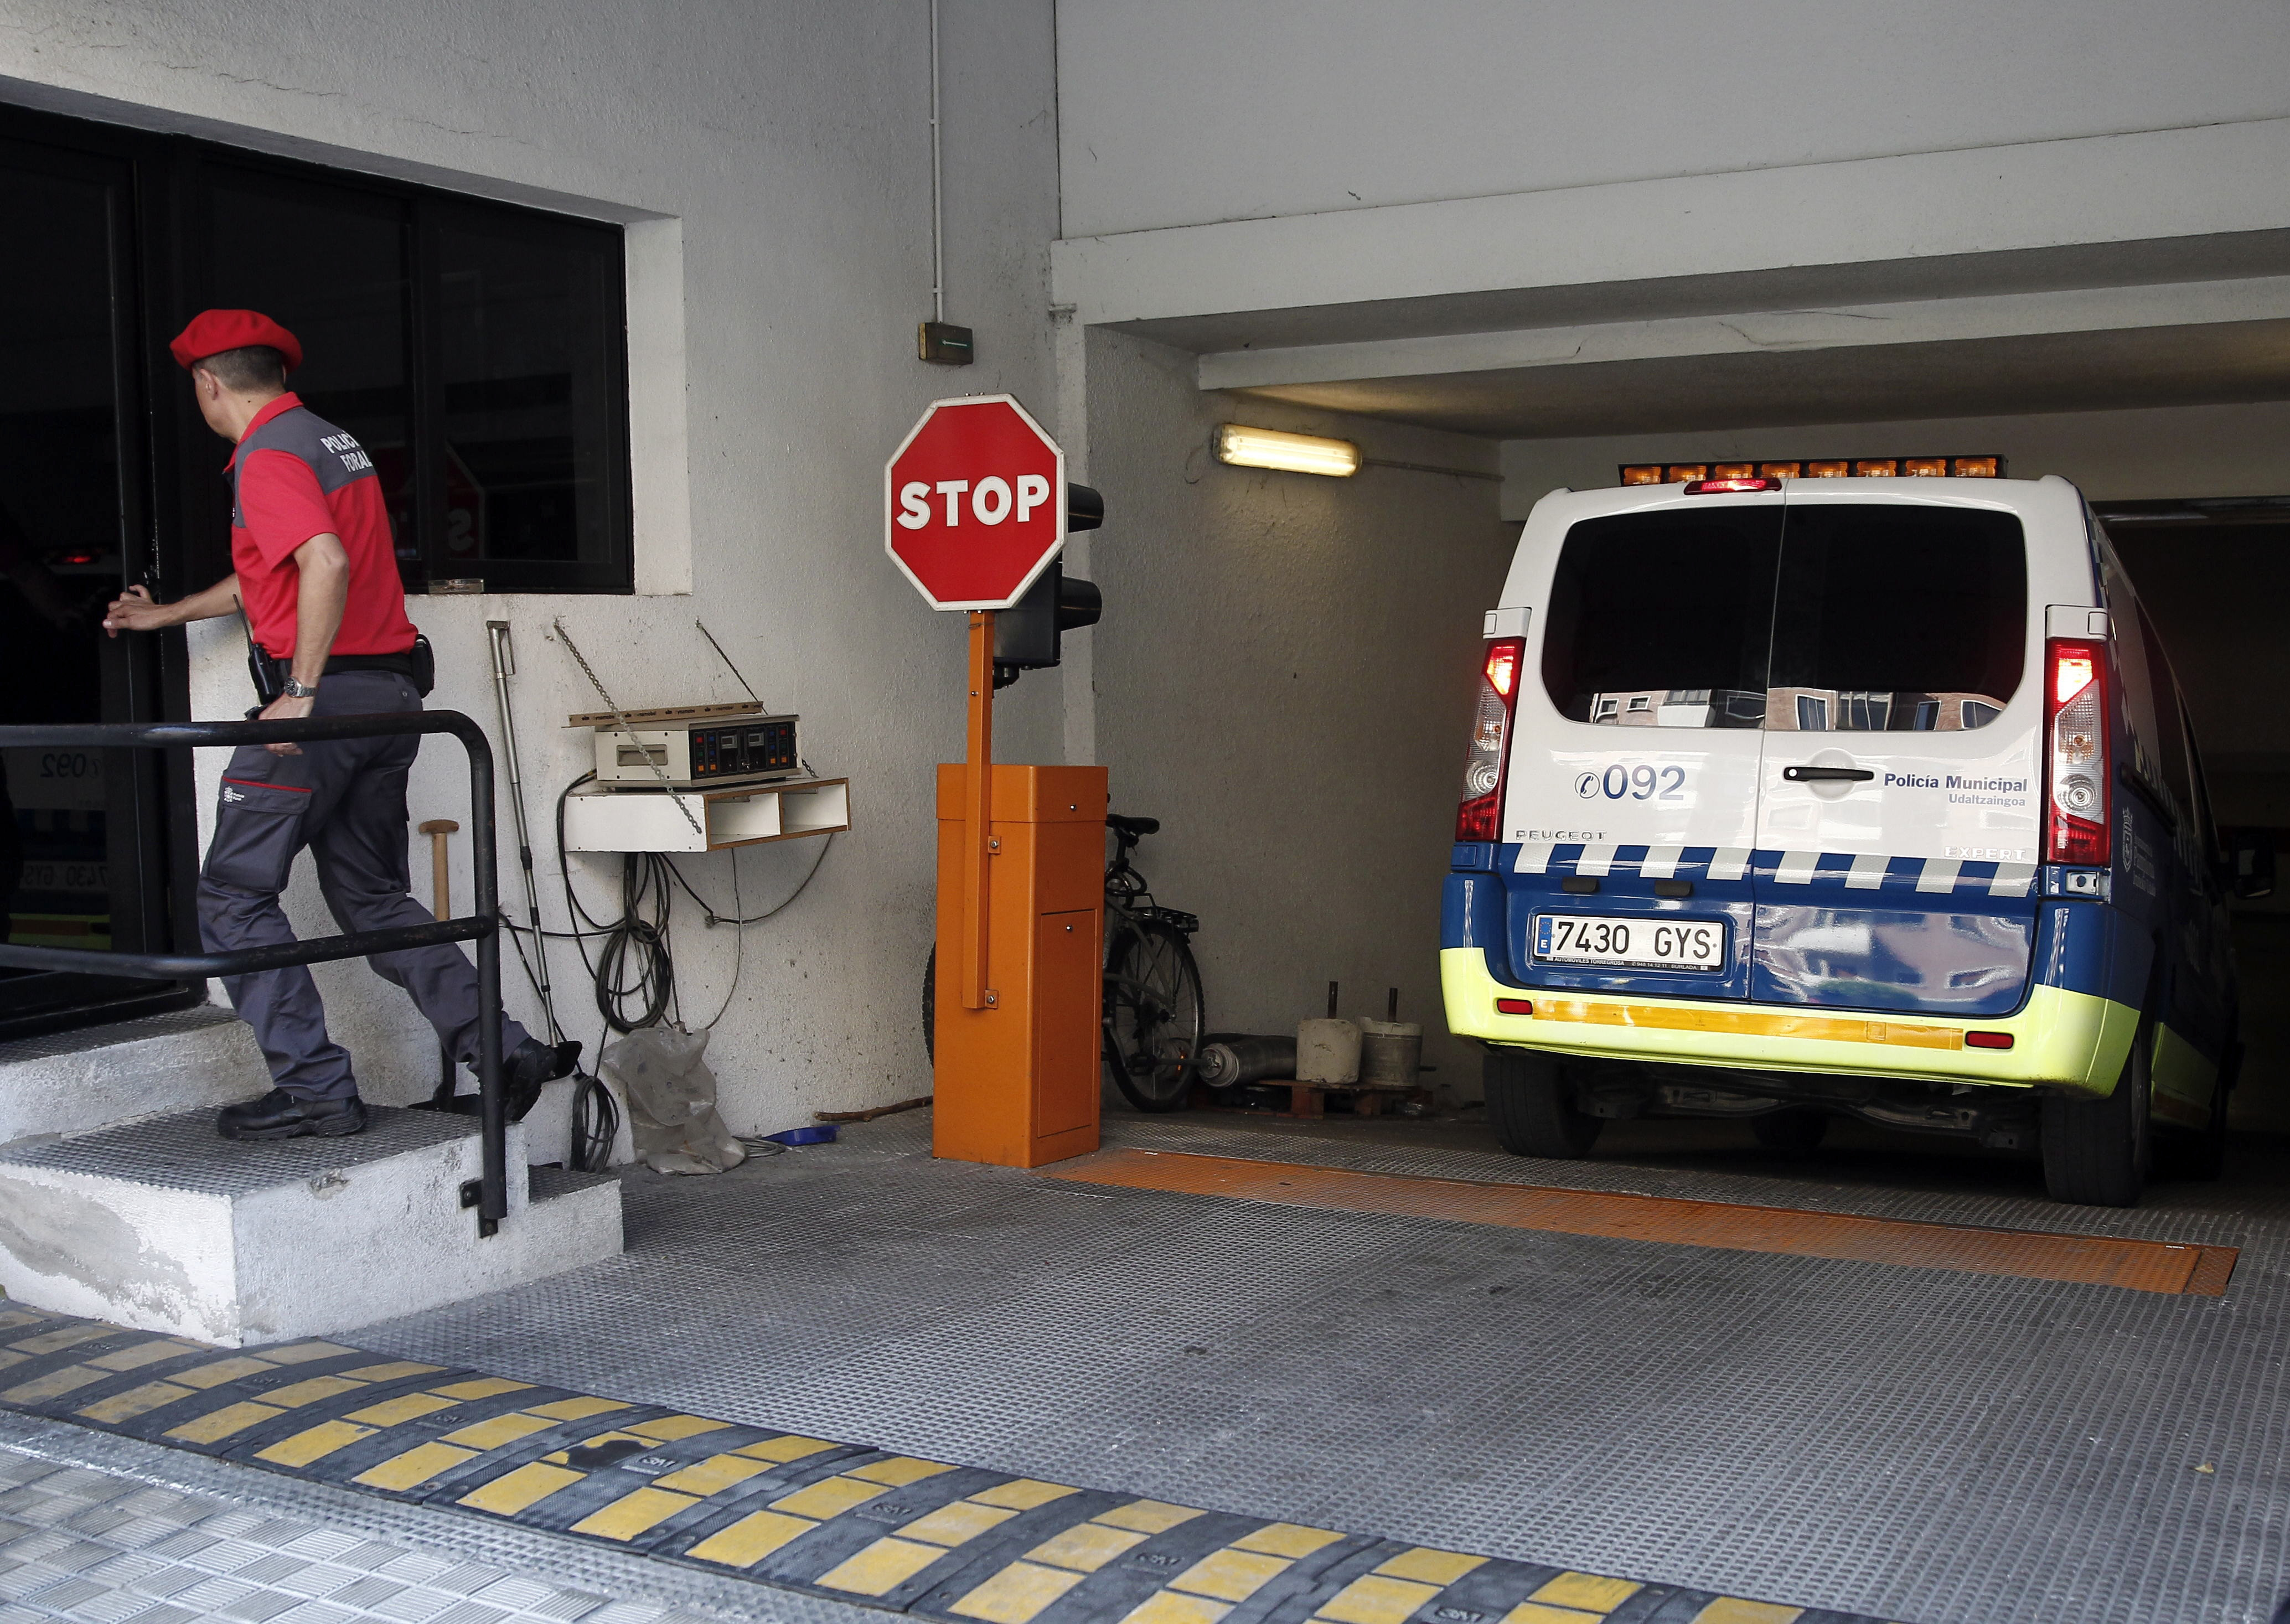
{"x": 1823, "y": 467}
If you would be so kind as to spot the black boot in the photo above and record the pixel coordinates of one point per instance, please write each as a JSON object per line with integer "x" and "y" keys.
{"x": 279, "y": 1114}
{"x": 524, "y": 1070}
{"x": 533, "y": 1064}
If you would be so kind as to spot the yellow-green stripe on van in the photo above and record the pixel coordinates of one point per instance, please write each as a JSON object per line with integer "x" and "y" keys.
{"x": 2061, "y": 1038}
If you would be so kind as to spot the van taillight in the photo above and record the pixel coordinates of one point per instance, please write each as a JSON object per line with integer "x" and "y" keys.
{"x": 1480, "y": 815}
{"x": 2075, "y": 701}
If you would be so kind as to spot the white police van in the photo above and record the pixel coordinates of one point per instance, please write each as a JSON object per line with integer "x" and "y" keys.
{"x": 1794, "y": 797}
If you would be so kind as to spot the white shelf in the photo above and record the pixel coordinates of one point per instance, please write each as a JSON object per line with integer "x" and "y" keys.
{"x": 598, "y": 818}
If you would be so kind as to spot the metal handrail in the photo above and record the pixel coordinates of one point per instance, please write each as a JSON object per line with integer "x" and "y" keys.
{"x": 481, "y": 926}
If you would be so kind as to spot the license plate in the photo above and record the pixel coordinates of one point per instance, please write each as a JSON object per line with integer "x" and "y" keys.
{"x": 1653, "y": 944}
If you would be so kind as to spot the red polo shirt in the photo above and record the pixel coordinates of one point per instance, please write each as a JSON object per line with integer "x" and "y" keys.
{"x": 295, "y": 476}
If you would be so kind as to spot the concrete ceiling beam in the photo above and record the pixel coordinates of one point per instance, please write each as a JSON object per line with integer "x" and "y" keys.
{"x": 1357, "y": 273}
{"x": 2181, "y": 304}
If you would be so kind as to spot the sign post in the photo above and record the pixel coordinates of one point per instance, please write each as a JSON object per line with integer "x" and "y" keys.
{"x": 977, "y": 874}
{"x": 974, "y": 506}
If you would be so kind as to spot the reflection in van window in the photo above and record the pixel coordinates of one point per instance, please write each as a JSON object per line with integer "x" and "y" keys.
{"x": 1660, "y": 619}
{"x": 1893, "y": 617}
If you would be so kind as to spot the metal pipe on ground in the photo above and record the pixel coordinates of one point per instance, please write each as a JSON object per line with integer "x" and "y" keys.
{"x": 1229, "y": 1059}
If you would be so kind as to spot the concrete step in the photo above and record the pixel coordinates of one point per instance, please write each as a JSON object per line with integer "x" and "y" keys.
{"x": 161, "y": 1226}
{"x": 75, "y": 1082}
{"x": 70, "y": 1083}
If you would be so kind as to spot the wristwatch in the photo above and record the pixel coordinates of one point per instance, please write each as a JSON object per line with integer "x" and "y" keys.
{"x": 297, "y": 691}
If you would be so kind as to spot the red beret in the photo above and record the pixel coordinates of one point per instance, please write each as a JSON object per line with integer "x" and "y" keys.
{"x": 212, "y": 331}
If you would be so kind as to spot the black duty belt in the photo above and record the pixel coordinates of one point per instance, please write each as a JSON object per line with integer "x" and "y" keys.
{"x": 417, "y": 665}
{"x": 401, "y": 664}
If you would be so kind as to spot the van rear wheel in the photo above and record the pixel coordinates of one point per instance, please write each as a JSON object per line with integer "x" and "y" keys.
{"x": 1531, "y": 1105}
{"x": 2097, "y": 1152}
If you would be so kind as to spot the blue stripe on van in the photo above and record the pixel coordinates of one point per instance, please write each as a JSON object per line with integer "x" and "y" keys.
{"x": 1813, "y": 870}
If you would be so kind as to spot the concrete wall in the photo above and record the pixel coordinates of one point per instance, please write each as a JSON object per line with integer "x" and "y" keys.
{"x": 1284, "y": 677}
{"x": 1184, "y": 112}
{"x": 776, "y": 160}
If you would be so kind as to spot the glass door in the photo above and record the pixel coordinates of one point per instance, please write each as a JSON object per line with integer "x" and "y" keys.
{"x": 79, "y": 830}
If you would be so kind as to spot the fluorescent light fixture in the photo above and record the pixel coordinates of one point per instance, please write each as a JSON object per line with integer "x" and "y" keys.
{"x": 1293, "y": 454}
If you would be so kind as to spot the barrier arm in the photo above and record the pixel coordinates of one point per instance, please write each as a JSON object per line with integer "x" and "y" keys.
{"x": 481, "y": 926}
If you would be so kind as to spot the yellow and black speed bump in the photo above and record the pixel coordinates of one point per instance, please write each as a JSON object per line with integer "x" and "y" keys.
{"x": 953, "y": 1544}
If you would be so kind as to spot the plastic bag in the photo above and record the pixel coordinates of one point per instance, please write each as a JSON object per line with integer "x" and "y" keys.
{"x": 671, "y": 1097}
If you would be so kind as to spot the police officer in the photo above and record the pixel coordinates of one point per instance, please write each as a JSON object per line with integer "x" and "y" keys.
{"x": 318, "y": 578}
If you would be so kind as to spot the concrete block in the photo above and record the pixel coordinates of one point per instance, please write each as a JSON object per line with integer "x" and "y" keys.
{"x": 76, "y": 1082}
{"x": 161, "y": 1226}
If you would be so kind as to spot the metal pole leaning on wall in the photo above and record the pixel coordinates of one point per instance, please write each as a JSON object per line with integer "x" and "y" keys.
{"x": 481, "y": 926}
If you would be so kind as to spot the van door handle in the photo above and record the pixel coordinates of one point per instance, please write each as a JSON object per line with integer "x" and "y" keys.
{"x": 1812, "y": 775}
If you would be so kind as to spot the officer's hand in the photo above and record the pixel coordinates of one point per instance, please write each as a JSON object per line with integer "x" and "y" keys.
{"x": 133, "y": 611}
{"x": 286, "y": 707}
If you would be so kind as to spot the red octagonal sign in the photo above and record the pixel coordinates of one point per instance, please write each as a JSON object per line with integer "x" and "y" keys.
{"x": 974, "y": 502}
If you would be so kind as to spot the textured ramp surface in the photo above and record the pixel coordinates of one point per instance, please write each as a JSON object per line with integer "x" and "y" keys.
{"x": 845, "y": 1522}
{"x": 2089, "y": 1259}
{"x": 1921, "y": 1445}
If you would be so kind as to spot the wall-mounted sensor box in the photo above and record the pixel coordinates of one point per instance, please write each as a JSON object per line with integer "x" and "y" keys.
{"x": 693, "y": 744}
{"x": 946, "y": 344}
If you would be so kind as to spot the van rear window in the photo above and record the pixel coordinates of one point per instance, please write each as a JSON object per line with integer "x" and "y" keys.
{"x": 1660, "y": 620}
{"x": 1891, "y": 618}
{"x": 1871, "y": 617}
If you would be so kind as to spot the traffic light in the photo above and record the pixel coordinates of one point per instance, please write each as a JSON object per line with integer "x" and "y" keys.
{"x": 1027, "y": 634}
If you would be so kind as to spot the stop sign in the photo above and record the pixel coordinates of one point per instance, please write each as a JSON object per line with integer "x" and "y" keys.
{"x": 974, "y": 502}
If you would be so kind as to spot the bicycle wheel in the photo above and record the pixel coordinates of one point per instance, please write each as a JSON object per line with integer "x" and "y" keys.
{"x": 1153, "y": 1015}
{"x": 930, "y": 1007}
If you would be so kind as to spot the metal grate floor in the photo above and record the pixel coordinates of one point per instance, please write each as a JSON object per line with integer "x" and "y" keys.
{"x": 182, "y": 1151}
{"x": 1924, "y": 1445}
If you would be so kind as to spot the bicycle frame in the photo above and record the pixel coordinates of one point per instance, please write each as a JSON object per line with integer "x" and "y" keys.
{"x": 481, "y": 926}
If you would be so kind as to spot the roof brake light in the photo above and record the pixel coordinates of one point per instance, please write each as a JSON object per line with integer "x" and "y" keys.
{"x": 1719, "y": 487}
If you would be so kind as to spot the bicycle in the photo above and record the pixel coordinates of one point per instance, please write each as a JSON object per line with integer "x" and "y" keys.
{"x": 1154, "y": 1014}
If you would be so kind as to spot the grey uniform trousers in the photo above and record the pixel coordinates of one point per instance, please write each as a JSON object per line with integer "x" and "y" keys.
{"x": 345, "y": 799}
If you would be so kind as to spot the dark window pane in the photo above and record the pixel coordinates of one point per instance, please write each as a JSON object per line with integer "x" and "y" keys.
{"x": 1897, "y": 618}
{"x": 2168, "y": 773}
{"x": 329, "y": 265}
{"x": 529, "y": 335}
{"x": 1661, "y": 619}
{"x": 68, "y": 860}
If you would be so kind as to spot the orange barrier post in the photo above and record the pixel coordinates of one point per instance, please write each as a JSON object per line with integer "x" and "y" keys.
{"x": 1017, "y": 1083}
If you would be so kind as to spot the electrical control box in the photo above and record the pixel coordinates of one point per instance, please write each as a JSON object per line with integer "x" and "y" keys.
{"x": 694, "y": 745}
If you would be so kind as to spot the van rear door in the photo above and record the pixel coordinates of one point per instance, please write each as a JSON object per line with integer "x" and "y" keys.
{"x": 1897, "y": 821}
{"x": 1632, "y": 784}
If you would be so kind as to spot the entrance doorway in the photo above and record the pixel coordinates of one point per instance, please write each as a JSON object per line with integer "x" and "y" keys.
{"x": 82, "y": 863}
